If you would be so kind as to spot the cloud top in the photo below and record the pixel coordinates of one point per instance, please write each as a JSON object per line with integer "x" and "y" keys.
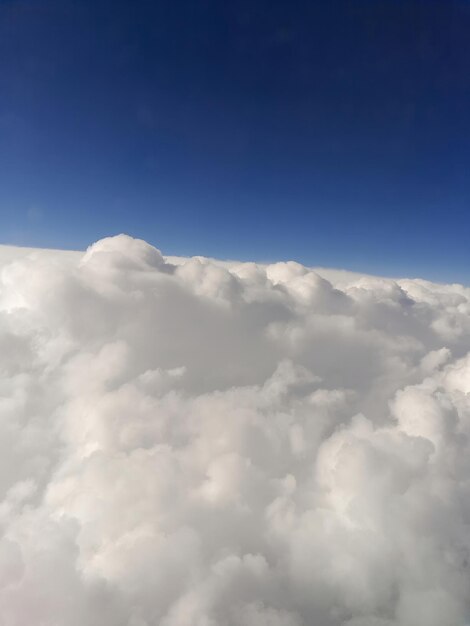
{"x": 191, "y": 443}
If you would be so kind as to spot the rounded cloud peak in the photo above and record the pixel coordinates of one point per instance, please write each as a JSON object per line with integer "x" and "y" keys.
{"x": 123, "y": 252}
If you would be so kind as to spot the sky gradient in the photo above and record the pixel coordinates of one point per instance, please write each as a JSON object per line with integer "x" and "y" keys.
{"x": 334, "y": 133}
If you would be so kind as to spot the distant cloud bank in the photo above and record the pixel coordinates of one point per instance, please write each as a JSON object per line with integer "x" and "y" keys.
{"x": 190, "y": 443}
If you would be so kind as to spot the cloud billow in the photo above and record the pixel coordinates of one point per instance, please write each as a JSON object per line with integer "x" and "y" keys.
{"x": 192, "y": 443}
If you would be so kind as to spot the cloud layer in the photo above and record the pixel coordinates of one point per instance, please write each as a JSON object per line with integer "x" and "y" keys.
{"x": 191, "y": 443}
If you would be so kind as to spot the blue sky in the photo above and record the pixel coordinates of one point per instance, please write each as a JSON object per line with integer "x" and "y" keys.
{"x": 335, "y": 133}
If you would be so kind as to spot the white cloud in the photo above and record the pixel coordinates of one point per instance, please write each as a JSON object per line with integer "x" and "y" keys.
{"x": 185, "y": 442}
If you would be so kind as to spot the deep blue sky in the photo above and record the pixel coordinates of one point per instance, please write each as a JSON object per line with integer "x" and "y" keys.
{"x": 335, "y": 133}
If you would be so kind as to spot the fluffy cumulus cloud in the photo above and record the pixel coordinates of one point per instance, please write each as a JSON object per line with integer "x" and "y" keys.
{"x": 191, "y": 443}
